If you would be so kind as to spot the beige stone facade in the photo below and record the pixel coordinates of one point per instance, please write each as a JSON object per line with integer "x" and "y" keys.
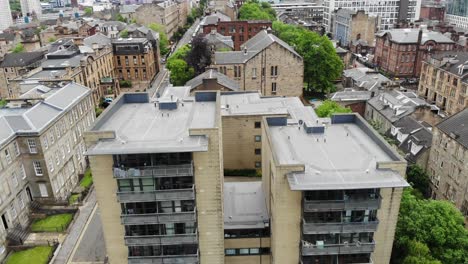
{"x": 445, "y": 86}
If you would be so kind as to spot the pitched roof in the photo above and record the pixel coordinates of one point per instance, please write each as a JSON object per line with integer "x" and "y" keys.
{"x": 97, "y": 38}
{"x": 395, "y": 105}
{"x": 407, "y": 124}
{"x": 214, "y": 37}
{"x": 410, "y": 35}
{"x": 456, "y": 127}
{"x": 213, "y": 74}
{"x": 21, "y": 59}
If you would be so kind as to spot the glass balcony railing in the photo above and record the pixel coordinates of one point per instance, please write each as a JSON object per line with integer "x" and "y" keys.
{"x": 351, "y": 203}
{"x": 175, "y": 239}
{"x": 156, "y": 218}
{"x": 164, "y": 259}
{"x": 338, "y": 227}
{"x": 157, "y": 195}
{"x": 309, "y": 249}
{"x": 181, "y": 170}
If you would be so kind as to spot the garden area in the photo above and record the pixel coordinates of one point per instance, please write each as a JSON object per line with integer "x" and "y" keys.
{"x": 87, "y": 180}
{"x": 36, "y": 255}
{"x": 52, "y": 223}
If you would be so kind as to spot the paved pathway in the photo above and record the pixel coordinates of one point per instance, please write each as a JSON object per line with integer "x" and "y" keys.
{"x": 68, "y": 245}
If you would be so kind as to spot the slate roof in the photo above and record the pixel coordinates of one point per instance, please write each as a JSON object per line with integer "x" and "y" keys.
{"x": 38, "y": 117}
{"x": 253, "y": 46}
{"x": 7, "y": 36}
{"x": 21, "y": 59}
{"x": 422, "y": 137}
{"x": 351, "y": 96}
{"x": 456, "y": 127}
{"x": 97, "y": 38}
{"x": 410, "y": 35}
{"x": 214, "y": 37}
{"x": 366, "y": 78}
{"x": 214, "y": 18}
{"x": 213, "y": 74}
{"x": 395, "y": 105}
{"x": 452, "y": 60}
{"x": 407, "y": 124}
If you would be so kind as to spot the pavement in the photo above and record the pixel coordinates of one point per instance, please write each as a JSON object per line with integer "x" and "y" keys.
{"x": 66, "y": 248}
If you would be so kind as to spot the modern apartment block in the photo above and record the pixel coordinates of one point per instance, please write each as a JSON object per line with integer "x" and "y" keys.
{"x": 400, "y": 52}
{"x": 447, "y": 164}
{"x": 444, "y": 81}
{"x": 457, "y": 13}
{"x": 390, "y": 12}
{"x": 134, "y": 60}
{"x": 158, "y": 173}
{"x": 6, "y": 19}
{"x": 41, "y": 151}
{"x": 266, "y": 64}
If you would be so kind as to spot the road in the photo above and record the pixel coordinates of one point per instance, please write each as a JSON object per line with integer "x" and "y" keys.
{"x": 188, "y": 35}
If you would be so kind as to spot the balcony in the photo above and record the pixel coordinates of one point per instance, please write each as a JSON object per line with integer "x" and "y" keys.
{"x": 154, "y": 171}
{"x": 339, "y": 259}
{"x": 158, "y": 195}
{"x": 339, "y": 227}
{"x": 309, "y": 249}
{"x": 141, "y": 219}
{"x": 165, "y": 259}
{"x": 175, "y": 239}
{"x": 352, "y": 203}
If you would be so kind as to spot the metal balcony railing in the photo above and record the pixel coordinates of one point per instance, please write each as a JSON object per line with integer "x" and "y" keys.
{"x": 157, "y": 195}
{"x": 175, "y": 239}
{"x": 352, "y": 203}
{"x": 156, "y": 218}
{"x": 309, "y": 249}
{"x": 338, "y": 227}
{"x": 154, "y": 171}
{"x": 164, "y": 259}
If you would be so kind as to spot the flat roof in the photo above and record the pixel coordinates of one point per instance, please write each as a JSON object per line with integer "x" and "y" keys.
{"x": 252, "y": 103}
{"x": 143, "y": 126}
{"x": 244, "y": 206}
{"x": 342, "y": 154}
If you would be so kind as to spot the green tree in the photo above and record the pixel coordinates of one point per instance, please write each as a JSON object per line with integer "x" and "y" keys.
{"x": 121, "y": 18}
{"x": 199, "y": 56}
{"x": 52, "y": 39}
{"x": 18, "y": 48}
{"x": 181, "y": 72}
{"x": 328, "y": 108}
{"x": 437, "y": 224}
{"x": 3, "y": 102}
{"x": 163, "y": 40}
{"x": 321, "y": 63}
{"x": 253, "y": 10}
{"x": 418, "y": 253}
{"x": 419, "y": 179}
{"x": 124, "y": 33}
{"x": 88, "y": 11}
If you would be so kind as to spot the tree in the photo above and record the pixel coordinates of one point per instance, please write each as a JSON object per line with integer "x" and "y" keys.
{"x": 163, "y": 40}
{"x": 124, "y": 33}
{"x": 328, "y": 108}
{"x": 418, "y": 253}
{"x": 419, "y": 179}
{"x": 3, "y": 102}
{"x": 253, "y": 10}
{"x": 181, "y": 72}
{"x": 121, "y": 18}
{"x": 199, "y": 56}
{"x": 437, "y": 224}
{"x": 18, "y": 48}
{"x": 88, "y": 11}
{"x": 52, "y": 39}
{"x": 321, "y": 63}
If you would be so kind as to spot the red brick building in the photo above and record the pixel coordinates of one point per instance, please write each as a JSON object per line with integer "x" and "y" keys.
{"x": 239, "y": 31}
{"x": 432, "y": 12}
{"x": 400, "y": 52}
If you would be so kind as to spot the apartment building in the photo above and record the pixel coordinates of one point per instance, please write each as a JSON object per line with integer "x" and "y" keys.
{"x": 457, "y": 13}
{"x": 265, "y": 64}
{"x": 432, "y": 11}
{"x": 351, "y": 25}
{"x": 168, "y": 177}
{"x": 240, "y": 31}
{"x": 91, "y": 65}
{"x": 16, "y": 64}
{"x": 390, "y": 12}
{"x": 171, "y": 14}
{"x": 400, "y": 52}
{"x": 173, "y": 205}
{"x": 304, "y": 11}
{"x": 447, "y": 163}
{"x": 444, "y": 81}
{"x": 135, "y": 60}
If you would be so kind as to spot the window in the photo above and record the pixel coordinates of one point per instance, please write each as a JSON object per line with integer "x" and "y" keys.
{"x": 258, "y": 138}
{"x": 273, "y": 88}
{"x": 135, "y": 60}
{"x": 274, "y": 70}
{"x": 254, "y": 73}
{"x": 14, "y": 178}
{"x": 13, "y": 213}
{"x": 17, "y": 150}
{"x": 57, "y": 130}
{"x": 258, "y": 151}
{"x": 22, "y": 172}
{"x": 21, "y": 200}
{"x": 32, "y": 145}
{"x": 246, "y": 251}
{"x": 51, "y": 165}
{"x": 258, "y": 124}
{"x": 258, "y": 164}
{"x": 68, "y": 147}
{"x": 37, "y": 168}
{"x": 7, "y": 156}
{"x": 57, "y": 157}
{"x": 237, "y": 71}
{"x": 230, "y": 252}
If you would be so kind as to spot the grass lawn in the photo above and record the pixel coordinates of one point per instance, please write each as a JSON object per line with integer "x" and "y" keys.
{"x": 53, "y": 223}
{"x": 87, "y": 179}
{"x": 36, "y": 255}
{"x": 73, "y": 198}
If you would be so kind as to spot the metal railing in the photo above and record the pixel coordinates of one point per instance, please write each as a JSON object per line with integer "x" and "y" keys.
{"x": 175, "y": 239}
{"x": 154, "y": 171}
{"x": 165, "y": 259}
{"x": 348, "y": 204}
{"x": 157, "y": 195}
{"x": 309, "y": 249}
{"x": 155, "y": 218}
{"x": 338, "y": 227}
